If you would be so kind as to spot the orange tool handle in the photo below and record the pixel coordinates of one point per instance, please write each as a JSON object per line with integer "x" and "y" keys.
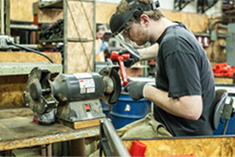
{"x": 115, "y": 56}
{"x": 123, "y": 72}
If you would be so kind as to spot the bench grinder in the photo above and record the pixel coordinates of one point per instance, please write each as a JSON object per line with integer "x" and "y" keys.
{"x": 71, "y": 97}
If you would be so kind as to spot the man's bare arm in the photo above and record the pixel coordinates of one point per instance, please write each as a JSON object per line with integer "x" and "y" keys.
{"x": 149, "y": 52}
{"x": 189, "y": 107}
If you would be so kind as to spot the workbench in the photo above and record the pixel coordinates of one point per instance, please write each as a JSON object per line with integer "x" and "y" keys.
{"x": 21, "y": 132}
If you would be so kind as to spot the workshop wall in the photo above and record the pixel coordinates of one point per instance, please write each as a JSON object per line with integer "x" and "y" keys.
{"x": 197, "y": 23}
{"x": 49, "y": 15}
{"x": 191, "y": 7}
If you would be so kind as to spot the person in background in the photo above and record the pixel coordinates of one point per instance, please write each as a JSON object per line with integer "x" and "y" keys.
{"x": 105, "y": 44}
{"x": 184, "y": 95}
{"x": 100, "y": 31}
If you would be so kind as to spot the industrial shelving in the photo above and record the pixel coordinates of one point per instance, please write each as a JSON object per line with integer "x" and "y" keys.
{"x": 78, "y": 32}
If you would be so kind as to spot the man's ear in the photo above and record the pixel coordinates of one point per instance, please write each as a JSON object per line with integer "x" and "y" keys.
{"x": 144, "y": 19}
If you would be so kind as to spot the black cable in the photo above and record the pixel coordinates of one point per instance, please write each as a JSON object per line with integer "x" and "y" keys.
{"x": 28, "y": 49}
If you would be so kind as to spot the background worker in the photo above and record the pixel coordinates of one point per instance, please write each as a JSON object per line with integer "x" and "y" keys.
{"x": 184, "y": 95}
{"x": 105, "y": 44}
{"x": 100, "y": 31}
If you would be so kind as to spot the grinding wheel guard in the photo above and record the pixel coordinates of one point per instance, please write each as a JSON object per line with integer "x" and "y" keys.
{"x": 38, "y": 96}
{"x": 111, "y": 72}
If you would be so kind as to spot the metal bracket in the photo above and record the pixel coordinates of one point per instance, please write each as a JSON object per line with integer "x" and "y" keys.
{"x": 4, "y": 42}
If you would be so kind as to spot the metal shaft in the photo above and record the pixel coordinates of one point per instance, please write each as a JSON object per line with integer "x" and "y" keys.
{"x": 126, "y": 45}
{"x": 114, "y": 140}
{"x": 2, "y": 17}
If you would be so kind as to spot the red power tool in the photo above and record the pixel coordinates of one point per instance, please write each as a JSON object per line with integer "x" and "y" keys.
{"x": 115, "y": 56}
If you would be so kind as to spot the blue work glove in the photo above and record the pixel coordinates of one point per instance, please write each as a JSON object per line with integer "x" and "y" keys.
{"x": 130, "y": 61}
{"x": 135, "y": 89}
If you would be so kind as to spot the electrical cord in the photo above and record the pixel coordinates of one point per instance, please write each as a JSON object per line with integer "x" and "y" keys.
{"x": 28, "y": 49}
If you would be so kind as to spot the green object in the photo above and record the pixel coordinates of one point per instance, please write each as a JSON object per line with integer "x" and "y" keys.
{"x": 230, "y": 48}
{"x": 213, "y": 35}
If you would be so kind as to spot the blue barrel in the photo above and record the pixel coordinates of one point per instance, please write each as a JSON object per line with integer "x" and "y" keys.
{"x": 127, "y": 111}
{"x": 231, "y": 124}
{"x": 230, "y": 128}
{"x": 105, "y": 108}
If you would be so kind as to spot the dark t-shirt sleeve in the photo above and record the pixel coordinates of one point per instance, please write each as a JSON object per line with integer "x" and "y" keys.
{"x": 183, "y": 74}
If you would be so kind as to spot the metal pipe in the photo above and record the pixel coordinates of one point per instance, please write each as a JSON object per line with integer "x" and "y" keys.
{"x": 114, "y": 140}
{"x": 2, "y": 17}
{"x": 126, "y": 45}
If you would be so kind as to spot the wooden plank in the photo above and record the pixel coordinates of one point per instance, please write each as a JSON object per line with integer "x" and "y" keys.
{"x": 223, "y": 80}
{"x": 29, "y": 57}
{"x": 49, "y": 15}
{"x": 22, "y": 132}
{"x": 78, "y": 60}
{"x": 79, "y": 10}
{"x": 11, "y": 90}
{"x": 205, "y": 146}
{"x": 80, "y": 124}
{"x": 20, "y": 68}
{"x": 21, "y": 10}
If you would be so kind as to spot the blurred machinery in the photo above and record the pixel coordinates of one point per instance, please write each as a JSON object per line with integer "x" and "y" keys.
{"x": 202, "y": 5}
{"x": 54, "y": 31}
{"x": 230, "y": 40}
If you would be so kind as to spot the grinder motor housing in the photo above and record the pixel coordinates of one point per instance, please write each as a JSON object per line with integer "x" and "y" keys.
{"x": 75, "y": 96}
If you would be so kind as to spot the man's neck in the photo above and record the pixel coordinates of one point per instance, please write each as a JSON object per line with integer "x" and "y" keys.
{"x": 158, "y": 27}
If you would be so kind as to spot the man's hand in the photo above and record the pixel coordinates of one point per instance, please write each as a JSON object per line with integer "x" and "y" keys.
{"x": 135, "y": 89}
{"x": 130, "y": 61}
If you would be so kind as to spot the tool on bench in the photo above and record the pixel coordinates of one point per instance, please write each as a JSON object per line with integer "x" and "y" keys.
{"x": 115, "y": 56}
{"x": 76, "y": 97}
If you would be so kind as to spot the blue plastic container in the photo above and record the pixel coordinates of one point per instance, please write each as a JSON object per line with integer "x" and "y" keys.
{"x": 127, "y": 111}
{"x": 230, "y": 129}
{"x": 106, "y": 109}
{"x": 231, "y": 124}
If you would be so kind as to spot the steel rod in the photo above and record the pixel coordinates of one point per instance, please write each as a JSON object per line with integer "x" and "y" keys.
{"x": 114, "y": 140}
{"x": 2, "y": 17}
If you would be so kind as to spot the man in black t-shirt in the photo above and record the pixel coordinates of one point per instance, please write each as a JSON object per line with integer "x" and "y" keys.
{"x": 183, "y": 70}
{"x": 184, "y": 94}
